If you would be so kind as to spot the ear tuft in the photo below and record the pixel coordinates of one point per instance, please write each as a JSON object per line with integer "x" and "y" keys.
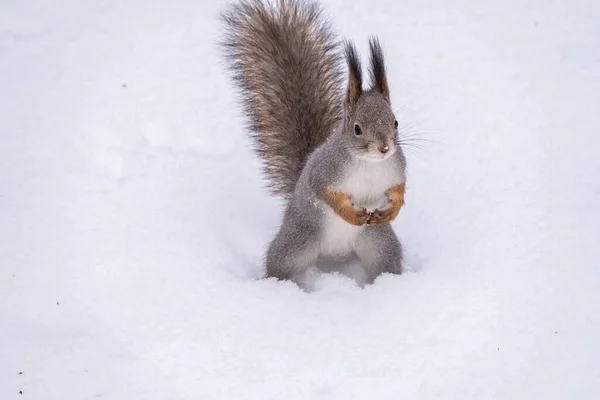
{"x": 354, "y": 73}
{"x": 378, "y": 76}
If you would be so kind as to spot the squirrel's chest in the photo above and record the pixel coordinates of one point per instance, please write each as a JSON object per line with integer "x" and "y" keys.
{"x": 366, "y": 186}
{"x": 367, "y": 183}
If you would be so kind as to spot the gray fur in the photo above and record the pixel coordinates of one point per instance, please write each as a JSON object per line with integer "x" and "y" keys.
{"x": 287, "y": 69}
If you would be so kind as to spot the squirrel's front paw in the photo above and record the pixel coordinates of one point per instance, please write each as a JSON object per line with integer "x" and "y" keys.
{"x": 343, "y": 206}
{"x": 381, "y": 216}
{"x": 360, "y": 216}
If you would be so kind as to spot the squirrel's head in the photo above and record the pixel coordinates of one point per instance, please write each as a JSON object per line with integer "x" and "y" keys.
{"x": 369, "y": 122}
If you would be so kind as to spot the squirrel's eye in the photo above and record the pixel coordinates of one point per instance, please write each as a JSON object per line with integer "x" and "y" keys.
{"x": 357, "y": 130}
{"x": 395, "y": 124}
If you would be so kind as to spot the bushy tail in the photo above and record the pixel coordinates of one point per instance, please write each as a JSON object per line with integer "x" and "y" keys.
{"x": 286, "y": 65}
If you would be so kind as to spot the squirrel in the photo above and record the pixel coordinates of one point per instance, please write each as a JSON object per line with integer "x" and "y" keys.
{"x": 332, "y": 154}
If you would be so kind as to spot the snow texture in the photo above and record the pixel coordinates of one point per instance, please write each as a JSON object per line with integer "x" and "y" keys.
{"x": 133, "y": 216}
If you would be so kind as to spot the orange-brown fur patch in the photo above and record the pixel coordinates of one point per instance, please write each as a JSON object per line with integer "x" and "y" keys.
{"x": 342, "y": 205}
{"x": 395, "y": 201}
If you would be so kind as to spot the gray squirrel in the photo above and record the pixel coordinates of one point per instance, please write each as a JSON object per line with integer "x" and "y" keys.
{"x": 335, "y": 157}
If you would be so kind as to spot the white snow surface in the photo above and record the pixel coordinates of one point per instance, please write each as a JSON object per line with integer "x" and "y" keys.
{"x": 134, "y": 218}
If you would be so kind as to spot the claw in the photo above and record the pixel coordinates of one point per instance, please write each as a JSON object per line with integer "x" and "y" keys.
{"x": 380, "y": 216}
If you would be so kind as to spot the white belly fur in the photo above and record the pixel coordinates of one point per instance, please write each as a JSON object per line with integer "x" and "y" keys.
{"x": 366, "y": 186}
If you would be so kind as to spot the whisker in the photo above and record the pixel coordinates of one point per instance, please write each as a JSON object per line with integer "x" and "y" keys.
{"x": 419, "y": 138}
{"x": 416, "y": 132}
{"x": 416, "y": 139}
{"x": 409, "y": 146}
{"x": 399, "y": 110}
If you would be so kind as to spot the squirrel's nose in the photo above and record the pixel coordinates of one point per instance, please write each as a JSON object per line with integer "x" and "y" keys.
{"x": 384, "y": 148}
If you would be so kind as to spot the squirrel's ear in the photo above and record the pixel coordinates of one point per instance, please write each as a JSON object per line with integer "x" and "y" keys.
{"x": 378, "y": 77}
{"x": 354, "y": 73}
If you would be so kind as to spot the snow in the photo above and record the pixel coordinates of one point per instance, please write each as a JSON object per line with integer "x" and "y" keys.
{"x": 133, "y": 217}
